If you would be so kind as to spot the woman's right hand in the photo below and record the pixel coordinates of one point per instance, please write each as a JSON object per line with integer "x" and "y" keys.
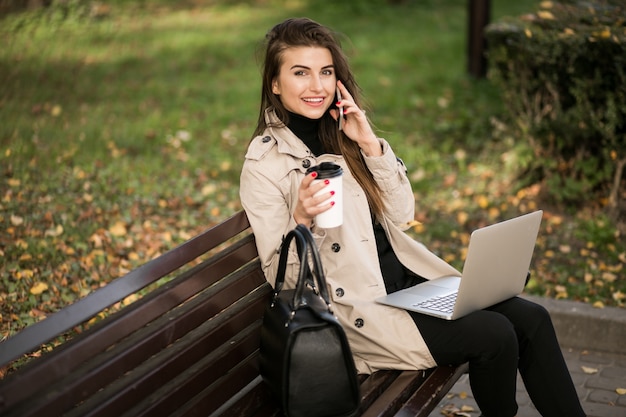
{"x": 309, "y": 205}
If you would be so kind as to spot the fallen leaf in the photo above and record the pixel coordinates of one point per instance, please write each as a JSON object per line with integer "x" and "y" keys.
{"x": 621, "y": 391}
{"x": 16, "y": 220}
{"x": 545, "y": 15}
{"x": 24, "y": 273}
{"x": 38, "y": 288}
{"x": 118, "y": 229}
{"x": 598, "y": 304}
{"x": 55, "y": 232}
{"x": 588, "y": 370}
{"x": 609, "y": 276}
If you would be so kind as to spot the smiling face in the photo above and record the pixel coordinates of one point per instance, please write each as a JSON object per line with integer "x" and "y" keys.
{"x": 306, "y": 82}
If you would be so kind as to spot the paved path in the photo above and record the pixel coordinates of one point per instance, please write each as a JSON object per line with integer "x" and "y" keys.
{"x": 593, "y": 342}
{"x": 596, "y": 384}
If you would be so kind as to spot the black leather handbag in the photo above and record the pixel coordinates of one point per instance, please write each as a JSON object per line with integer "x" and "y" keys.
{"x": 304, "y": 354}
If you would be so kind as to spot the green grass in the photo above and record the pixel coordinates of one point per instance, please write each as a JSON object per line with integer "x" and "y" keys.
{"x": 141, "y": 118}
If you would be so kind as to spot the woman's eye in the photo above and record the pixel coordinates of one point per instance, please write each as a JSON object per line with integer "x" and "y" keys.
{"x": 299, "y": 73}
{"x": 327, "y": 72}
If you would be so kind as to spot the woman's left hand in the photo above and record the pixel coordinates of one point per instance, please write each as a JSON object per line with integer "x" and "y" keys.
{"x": 355, "y": 123}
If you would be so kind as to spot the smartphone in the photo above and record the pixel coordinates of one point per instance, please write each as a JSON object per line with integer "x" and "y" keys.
{"x": 340, "y": 110}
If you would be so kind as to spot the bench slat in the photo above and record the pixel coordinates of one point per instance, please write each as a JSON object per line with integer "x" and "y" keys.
{"x": 436, "y": 386}
{"x": 391, "y": 399}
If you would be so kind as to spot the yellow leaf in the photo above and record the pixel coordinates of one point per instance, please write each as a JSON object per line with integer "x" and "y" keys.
{"x": 57, "y": 231}
{"x": 545, "y": 15}
{"x": 24, "y": 273}
{"x": 461, "y": 217}
{"x": 621, "y": 391}
{"x": 56, "y": 111}
{"x": 463, "y": 395}
{"x": 118, "y": 229}
{"x": 549, "y": 254}
{"x": 16, "y": 220}
{"x": 483, "y": 202}
{"x": 565, "y": 248}
{"x": 528, "y": 33}
{"x": 133, "y": 256}
{"x": 545, "y": 4}
{"x": 606, "y": 33}
{"x": 589, "y": 370}
{"x": 609, "y": 276}
{"x": 14, "y": 182}
{"x": 598, "y": 304}
{"x": 38, "y": 288}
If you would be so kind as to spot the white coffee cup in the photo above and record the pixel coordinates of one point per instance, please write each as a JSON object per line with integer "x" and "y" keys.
{"x": 332, "y": 172}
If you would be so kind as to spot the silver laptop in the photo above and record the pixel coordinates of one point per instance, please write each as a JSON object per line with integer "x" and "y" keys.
{"x": 496, "y": 267}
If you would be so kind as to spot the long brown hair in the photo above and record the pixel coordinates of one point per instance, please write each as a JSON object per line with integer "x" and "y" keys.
{"x": 297, "y": 32}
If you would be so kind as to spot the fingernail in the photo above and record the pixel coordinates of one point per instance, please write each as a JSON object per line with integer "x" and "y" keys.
{"x": 326, "y": 182}
{"x": 332, "y": 193}
{"x": 345, "y": 111}
{"x": 332, "y": 203}
{"x": 314, "y": 174}
{"x": 337, "y": 103}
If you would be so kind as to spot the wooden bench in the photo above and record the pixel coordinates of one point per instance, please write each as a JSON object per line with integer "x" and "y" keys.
{"x": 186, "y": 347}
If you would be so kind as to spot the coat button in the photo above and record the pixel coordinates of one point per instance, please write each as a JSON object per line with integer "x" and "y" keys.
{"x": 306, "y": 163}
{"x": 336, "y": 247}
{"x": 339, "y": 292}
{"x": 266, "y": 139}
{"x": 359, "y": 323}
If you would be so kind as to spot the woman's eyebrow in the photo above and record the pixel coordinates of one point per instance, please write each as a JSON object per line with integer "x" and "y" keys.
{"x": 308, "y": 68}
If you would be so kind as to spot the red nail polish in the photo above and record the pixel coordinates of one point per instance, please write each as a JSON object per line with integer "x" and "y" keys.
{"x": 332, "y": 193}
{"x": 314, "y": 174}
{"x": 326, "y": 182}
{"x": 345, "y": 111}
{"x": 337, "y": 103}
{"x": 332, "y": 203}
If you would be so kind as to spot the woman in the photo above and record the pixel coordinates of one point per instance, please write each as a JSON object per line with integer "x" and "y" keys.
{"x": 369, "y": 255}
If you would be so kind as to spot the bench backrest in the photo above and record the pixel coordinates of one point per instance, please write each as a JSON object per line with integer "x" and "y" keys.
{"x": 184, "y": 347}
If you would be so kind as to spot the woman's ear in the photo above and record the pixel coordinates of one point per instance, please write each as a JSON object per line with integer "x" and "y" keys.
{"x": 275, "y": 88}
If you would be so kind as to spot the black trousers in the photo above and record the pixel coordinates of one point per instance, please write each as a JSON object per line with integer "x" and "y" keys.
{"x": 515, "y": 334}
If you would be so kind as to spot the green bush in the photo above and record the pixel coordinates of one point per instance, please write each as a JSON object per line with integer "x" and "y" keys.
{"x": 562, "y": 73}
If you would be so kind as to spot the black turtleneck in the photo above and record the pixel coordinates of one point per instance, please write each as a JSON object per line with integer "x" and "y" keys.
{"x": 395, "y": 275}
{"x": 307, "y": 130}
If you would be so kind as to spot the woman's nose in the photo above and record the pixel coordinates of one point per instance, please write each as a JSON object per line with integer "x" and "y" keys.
{"x": 316, "y": 84}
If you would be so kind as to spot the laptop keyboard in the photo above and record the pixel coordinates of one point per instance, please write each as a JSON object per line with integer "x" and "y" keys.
{"x": 443, "y": 304}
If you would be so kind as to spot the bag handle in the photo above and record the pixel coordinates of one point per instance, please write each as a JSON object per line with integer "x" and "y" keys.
{"x": 305, "y": 244}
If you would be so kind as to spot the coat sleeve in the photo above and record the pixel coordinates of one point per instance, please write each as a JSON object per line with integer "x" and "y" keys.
{"x": 390, "y": 175}
{"x": 269, "y": 215}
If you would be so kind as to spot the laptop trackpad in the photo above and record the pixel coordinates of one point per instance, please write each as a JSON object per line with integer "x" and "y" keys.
{"x": 429, "y": 289}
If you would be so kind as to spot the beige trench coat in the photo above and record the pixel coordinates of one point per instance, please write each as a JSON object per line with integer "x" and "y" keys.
{"x": 380, "y": 337}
